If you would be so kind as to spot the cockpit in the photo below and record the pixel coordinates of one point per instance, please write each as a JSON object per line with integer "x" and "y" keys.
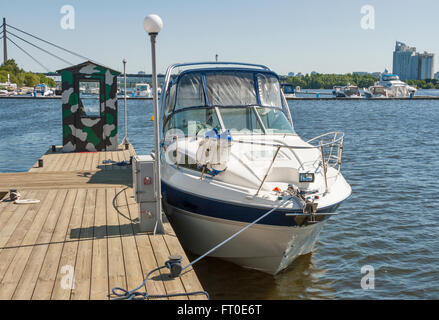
{"x": 244, "y": 101}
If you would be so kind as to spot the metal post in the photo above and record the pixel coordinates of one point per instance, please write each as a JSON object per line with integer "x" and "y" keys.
{"x": 159, "y": 225}
{"x": 5, "y": 49}
{"x": 125, "y": 138}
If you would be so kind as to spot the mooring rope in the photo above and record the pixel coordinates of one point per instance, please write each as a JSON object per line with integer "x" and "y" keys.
{"x": 123, "y": 294}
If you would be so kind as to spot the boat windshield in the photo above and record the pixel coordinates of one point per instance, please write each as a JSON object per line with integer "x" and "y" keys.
{"x": 239, "y": 120}
{"x": 239, "y": 100}
{"x": 142, "y": 87}
{"x": 389, "y": 77}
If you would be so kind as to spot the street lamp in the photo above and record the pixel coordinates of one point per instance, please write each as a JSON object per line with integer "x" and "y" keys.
{"x": 153, "y": 25}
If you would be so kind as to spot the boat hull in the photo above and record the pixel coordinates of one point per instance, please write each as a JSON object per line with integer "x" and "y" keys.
{"x": 266, "y": 248}
{"x": 269, "y": 246}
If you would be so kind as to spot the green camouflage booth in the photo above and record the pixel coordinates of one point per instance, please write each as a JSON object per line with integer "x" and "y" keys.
{"x": 89, "y": 108}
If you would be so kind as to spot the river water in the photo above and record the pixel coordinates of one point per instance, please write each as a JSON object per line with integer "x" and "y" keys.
{"x": 390, "y": 223}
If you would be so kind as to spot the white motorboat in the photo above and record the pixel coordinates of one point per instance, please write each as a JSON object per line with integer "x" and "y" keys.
{"x": 143, "y": 90}
{"x": 229, "y": 155}
{"x": 348, "y": 91}
{"x": 375, "y": 91}
{"x": 395, "y": 87}
{"x": 288, "y": 90}
{"x": 42, "y": 90}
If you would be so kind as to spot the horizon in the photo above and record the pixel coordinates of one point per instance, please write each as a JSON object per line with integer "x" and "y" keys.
{"x": 246, "y": 31}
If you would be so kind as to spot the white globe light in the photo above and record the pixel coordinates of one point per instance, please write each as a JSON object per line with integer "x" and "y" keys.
{"x": 152, "y": 23}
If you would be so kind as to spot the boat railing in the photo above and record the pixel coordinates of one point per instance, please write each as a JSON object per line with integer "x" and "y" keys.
{"x": 330, "y": 146}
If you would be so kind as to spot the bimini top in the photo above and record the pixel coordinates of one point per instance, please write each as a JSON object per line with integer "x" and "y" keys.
{"x": 221, "y": 85}
{"x": 224, "y": 86}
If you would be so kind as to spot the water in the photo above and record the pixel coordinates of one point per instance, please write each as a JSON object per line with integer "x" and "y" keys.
{"x": 390, "y": 222}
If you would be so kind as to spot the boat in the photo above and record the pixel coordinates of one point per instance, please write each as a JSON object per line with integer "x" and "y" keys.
{"x": 229, "y": 156}
{"x": 42, "y": 90}
{"x": 375, "y": 91}
{"x": 395, "y": 87}
{"x": 347, "y": 91}
{"x": 143, "y": 90}
{"x": 288, "y": 90}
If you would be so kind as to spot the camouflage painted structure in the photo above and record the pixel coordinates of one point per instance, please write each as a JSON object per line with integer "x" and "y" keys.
{"x": 89, "y": 132}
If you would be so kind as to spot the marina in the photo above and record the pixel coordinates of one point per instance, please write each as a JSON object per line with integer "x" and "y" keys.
{"x": 216, "y": 179}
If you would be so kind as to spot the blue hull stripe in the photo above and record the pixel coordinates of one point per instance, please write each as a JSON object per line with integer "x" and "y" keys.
{"x": 229, "y": 211}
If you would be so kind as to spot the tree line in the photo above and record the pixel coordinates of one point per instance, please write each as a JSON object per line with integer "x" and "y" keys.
{"x": 328, "y": 81}
{"x": 21, "y": 77}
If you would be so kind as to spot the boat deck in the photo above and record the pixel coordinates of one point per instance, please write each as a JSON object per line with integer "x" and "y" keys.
{"x": 85, "y": 228}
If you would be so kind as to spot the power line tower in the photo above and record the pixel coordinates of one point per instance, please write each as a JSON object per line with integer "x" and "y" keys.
{"x": 5, "y": 49}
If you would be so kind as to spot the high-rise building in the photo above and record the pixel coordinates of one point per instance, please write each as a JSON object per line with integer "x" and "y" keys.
{"x": 426, "y": 66}
{"x": 410, "y": 65}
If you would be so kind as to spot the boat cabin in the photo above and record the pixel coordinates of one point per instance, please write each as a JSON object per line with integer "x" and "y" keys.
{"x": 242, "y": 100}
{"x": 288, "y": 88}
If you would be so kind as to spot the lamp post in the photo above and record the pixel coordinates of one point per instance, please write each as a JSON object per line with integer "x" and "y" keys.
{"x": 153, "y": 25}
{"x": 125, "y": 138}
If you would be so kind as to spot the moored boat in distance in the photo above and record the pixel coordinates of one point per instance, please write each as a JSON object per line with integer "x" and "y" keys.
{"x": 143, "y": 90}
{"x": 347, "y": 91}
{"x": 288, "y": 90}
{"x": 375, "y": 91}
{"x": 230, "y": 156}
{"x": 42, "y": 90}
{"x": 395, "y": 88}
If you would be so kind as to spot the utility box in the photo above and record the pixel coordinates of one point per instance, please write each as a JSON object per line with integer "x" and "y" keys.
{"x": 144, "y": 191}
{"x": 89, "y": 108}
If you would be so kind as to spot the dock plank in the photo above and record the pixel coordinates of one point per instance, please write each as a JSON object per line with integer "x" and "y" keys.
{"x": 99, "y": 270}
{"x": 116, "y": 266}
{"x": 47, "y": 276}
{"x": 133, "y": 266}
{"x": 85, "y": 249}
{"x": 61, "y": 290}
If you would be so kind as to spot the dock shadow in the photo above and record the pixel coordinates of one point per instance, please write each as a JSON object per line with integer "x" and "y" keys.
{"x": 112, "y": 177}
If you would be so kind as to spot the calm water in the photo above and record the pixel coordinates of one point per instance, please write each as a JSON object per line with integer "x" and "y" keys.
{"x": 391, "y": 159}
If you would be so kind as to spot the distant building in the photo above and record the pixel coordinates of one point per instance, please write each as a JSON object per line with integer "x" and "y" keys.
{"x": 313, "y": 72}
{"x": 436, "y": 75}
{"x": 360, "y": 73}
{"x": 299, "y": 74}
{"x": 291, "y": 74}
{"x": 410, "y": 65}
{"x": 426, "y": 65}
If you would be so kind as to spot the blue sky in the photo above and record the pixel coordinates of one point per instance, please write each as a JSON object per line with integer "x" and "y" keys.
{"x": 298, "y": 36}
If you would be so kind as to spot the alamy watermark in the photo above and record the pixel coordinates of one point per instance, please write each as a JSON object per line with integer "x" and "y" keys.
{"x": 68, "y": 280}
{"x": 368, "y": 280}
{"x": 367, "y": 21}
{"x": 68, "y": 19}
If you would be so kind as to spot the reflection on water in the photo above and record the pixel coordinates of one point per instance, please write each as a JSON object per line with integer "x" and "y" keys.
{"x": 390, "y": 222}
{"x": 301, "y": 280}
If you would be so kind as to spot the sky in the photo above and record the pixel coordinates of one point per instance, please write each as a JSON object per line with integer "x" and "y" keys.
{"x": 286, "y": 35}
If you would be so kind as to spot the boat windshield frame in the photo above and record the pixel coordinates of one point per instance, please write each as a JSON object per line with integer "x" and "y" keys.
{"x": 255, "y": 70}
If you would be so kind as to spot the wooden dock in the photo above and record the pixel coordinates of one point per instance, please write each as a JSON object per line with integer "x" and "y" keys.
{"x": 85, "y": 228}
